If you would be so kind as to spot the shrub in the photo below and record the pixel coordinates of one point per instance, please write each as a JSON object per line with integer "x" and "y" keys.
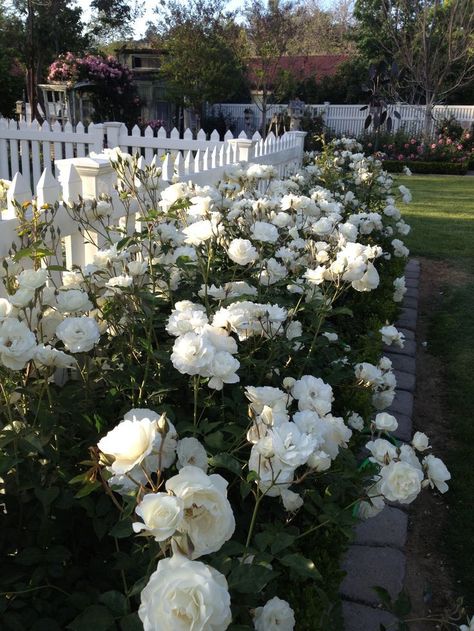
{"x": 447, "y": 168}
{"x": 186, "y": 409}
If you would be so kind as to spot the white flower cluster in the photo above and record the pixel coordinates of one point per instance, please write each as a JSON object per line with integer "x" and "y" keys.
{"x": 380, "y": 379}
{"x": 280, "y": 446}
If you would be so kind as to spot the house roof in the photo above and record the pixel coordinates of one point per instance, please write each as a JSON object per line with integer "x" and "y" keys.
{"x": 300, "y": 66}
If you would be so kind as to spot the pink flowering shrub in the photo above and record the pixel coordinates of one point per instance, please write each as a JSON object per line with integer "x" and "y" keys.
{"x": 111, "y": 84}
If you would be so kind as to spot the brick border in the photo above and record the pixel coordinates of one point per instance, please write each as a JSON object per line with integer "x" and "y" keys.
{"x": 377, "y": 556}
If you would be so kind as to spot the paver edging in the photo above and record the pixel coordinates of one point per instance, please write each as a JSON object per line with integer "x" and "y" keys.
{"x": 376, "y": 557}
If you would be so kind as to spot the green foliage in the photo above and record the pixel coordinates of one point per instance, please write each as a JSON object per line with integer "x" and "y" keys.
{"x": 416, "y": 166}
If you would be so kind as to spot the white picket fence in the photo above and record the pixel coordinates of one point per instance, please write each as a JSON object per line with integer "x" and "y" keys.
{"x": 343, "y": 119}
{"x": 91, "y": 176}
{"x": 29, "y": 148}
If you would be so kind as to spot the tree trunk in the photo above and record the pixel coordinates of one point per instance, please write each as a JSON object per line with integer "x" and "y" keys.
{"x": 428, "y": 121}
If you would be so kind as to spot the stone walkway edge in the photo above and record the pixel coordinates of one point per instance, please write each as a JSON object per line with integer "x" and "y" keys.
{"x": 377, "y": 556}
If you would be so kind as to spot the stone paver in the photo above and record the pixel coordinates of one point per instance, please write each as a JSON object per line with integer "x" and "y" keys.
{"x": 388, "y": 528}
{"x": 409, "y": 335}
{"x": 408, "y": 318}
{"x": 404, "y": 430}
{"x": 363, "y": 618}
{"x": 403, "y": 363}
{"x": 405, "y": 380}
{"x": 377, "y": 557}
{"x": 412, "y": 292}
{"x": 372, "y": 566}
{"x": 410, "y": 301}
{"x": 409, "y": 348}
{"x": 402, "y": 403}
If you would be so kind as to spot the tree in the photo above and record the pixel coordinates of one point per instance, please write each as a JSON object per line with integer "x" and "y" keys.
{"x": 200, "y": 63}
{"x": 322, "y": 30}
{"x": 11, "y": 70}
{"x": 269, "y": 30}
{"x": 48, "y": 28}
{"x": 113, "y": 19}
{"x": 432, "y": 41}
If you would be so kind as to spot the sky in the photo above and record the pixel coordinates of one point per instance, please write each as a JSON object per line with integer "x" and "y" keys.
{"x": 148, "y": 16}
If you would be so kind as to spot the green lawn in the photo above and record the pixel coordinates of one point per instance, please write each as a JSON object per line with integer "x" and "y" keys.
{"x": 441, "y": 216}
{"x": 442, "y": 220}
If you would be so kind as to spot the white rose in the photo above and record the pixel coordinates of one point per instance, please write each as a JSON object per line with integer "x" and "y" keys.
{"x": 198, "y": 232}
{"x": 22, "y": 297}
{"x": 391, "y": 335}
{"x": 312, "y": 393}
{"x": 274, "y": 475}
{"x": 72, "y": 301}
{"x": 17, "y": 344}
{"x": 320, "y": 461}
{"x": 5, "y": 308}
{"x": 162, "y": 515}
{"x": 78, "y": 334}
{"x": 263, "y": 231}
{"x": 137, "y": 268}
{"x": 290, "y": 445}
{"x": 276, "y": 615}
{"x": 191, "y": 452}
{"x": 208, "y": 517}
{"x": 129, "y": 443}
{"x": 49, "y": 356}
{"x": 242, "y": 252}
{"x": 32, "y": 279}
{"x": 369, "y": 281}
{"x": 382, "y": 450}
{"x": 437, "y": 473}
{"x": 356, "y": 421}
{"x": 291, "y": 501}
{"x": 420, "y": 441}
{"x": 184, "y": 595}
{"x": 385, "y": 422}
{"x": 400, "y": 482}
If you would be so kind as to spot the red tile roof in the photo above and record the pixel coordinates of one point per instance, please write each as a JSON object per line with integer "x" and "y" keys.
{"x": 301, "y": 67}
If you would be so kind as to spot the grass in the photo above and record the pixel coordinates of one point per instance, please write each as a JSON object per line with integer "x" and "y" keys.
{"x": 442, "y": 220}
{"x": 441, "y": 216}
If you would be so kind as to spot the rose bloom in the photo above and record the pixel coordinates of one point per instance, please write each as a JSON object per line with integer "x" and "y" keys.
{"x": 184, "y": 595}
{"x": 400, "y": 482}
{"x": 78, "y": 334}
{"x": 162, "y": 515}
{"x": 208, "y": 517}
{"x": 242, "y": 252}
{"x": 17, "y": 344}
{"x": 129, "y": 443}
{"x": 385, "y": 422}
{"x": 32, "y": 279}
{"x": 276, "y": 615}
{"x": 437, "y": 473}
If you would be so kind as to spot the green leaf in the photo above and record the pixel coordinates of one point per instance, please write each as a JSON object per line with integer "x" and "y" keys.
{"x": 301, "y": 565}
{"x": 47, "y": 496}
{"x": 249, "y": 579}
{"x": 215, "y": 440}
{"x": 87, "y": 489}
{"x": 281, "y": 541}
{"x": 122, "y": 529}
{"x": 95, "y": 616}
{"x": 131, "y": 623}
{"x": 115, "y": 601}
{"x": 264, "y": 539}
{"x": 402, "y": 606}
{"x": 226, "y": 461}
{"x": 384, "y": 596}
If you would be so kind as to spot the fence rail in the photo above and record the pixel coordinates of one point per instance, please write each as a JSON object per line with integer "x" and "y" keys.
{"x": 342, "y": 119}
{"x": 29, "y": 148}
{"x": 93, "y": 175}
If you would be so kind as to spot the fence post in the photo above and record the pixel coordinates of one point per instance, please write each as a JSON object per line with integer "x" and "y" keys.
{"x": 112, "y": 131}
{"x": 97, "y": 176}
{"x": 325, "y": 112}
{"x": 97, "y": 134}
{"x": 299, "y": 136}
{"x": 244, "y": 148}
{"x": 20, "y": 192}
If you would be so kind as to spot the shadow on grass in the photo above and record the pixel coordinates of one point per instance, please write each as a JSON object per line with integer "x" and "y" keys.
{"x": 440, "y": 237}
{"x": 451, "y": 337}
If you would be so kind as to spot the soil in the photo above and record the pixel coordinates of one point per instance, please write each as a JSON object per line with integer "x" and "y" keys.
{"x": 429, "y": 581}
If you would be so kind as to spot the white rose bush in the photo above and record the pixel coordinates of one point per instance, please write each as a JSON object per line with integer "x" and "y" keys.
{"x": 183, "y": 416}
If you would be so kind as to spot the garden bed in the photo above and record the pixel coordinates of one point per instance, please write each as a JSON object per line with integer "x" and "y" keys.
{"x": 432, "y": 167}
{"x": 188, "y": 407}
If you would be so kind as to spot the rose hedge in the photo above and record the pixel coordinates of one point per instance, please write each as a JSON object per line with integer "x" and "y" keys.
{"x": 182, "y": 415}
